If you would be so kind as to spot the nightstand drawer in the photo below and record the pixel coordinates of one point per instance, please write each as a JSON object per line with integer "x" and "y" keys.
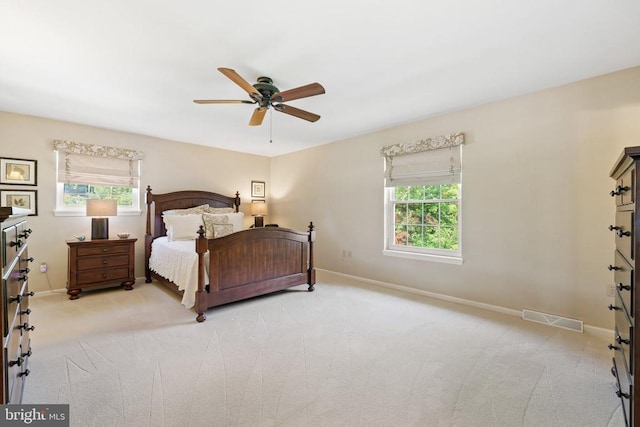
{"x": 103, "y": 250}
{"x": 105, "y": 275}
{"x": 90, "y": 263}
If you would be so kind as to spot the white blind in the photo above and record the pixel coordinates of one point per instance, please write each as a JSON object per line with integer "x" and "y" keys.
{"x": 80, "y": 163}
{"x": 428, "y": 162}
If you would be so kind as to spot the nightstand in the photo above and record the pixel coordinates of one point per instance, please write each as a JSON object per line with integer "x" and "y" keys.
{"x": 95, "y": 264}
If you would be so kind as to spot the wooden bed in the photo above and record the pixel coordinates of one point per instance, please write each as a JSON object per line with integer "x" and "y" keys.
{"x": 242, "y": 265}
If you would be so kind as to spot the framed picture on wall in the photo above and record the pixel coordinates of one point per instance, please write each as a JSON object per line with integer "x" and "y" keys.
{"x": 18, "y": 171}
{"x": 257, "y": 189}
{"x": 25, "y": 199}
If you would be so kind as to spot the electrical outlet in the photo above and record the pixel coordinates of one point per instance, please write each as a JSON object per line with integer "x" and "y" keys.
{"x": 611, "y": 290}
{"x": 43, "y": 268}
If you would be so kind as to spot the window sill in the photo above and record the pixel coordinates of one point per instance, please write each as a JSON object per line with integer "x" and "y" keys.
{"x": 424, "y": 257}
{"x": 82, "y": 213}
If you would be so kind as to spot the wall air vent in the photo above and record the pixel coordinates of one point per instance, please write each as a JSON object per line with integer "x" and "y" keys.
{"x": 553, "y": 320}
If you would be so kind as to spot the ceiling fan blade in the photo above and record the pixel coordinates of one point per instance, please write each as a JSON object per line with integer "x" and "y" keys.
{"x": 296, "y": 112}
{"x": 311, "y": 89}
{"x": 257, "y": 116}
{"x": 237, "y": 79}
{"x": 222, "y": 101}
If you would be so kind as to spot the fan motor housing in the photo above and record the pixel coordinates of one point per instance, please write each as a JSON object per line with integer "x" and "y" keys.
{"x": 265, "y": 87}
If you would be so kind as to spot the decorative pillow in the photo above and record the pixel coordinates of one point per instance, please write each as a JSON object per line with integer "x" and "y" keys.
{"x": 220, "y": 210}
{"x": 222, "y": 230}
{"x": 182, "y": 227}
{"x": 213, "y": 221}
{"x": 188, "y": 211}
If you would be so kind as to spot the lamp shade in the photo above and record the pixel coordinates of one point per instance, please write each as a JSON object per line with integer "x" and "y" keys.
{"x": 106, "y": 207}
{"x": 258, "y": 208}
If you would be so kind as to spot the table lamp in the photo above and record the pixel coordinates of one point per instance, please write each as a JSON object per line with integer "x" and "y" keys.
{"x": 100, "y": 209}
{"x": 259, "y": 211}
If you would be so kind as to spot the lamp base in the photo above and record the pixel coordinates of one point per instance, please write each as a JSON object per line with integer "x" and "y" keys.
{"x": 258, "y": 221}
{"x": 99, "y": 228}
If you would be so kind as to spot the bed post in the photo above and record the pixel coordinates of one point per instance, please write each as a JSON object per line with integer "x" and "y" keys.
{"x": 148, "y": 238}
{"x": 202, "y": 246}
{"x": 236, "y": 202}
{"x": 311, "y": 272}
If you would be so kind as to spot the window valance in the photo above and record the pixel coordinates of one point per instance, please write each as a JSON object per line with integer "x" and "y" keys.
{"x": 96, "y": 164}
{"x": 425, "y": 162}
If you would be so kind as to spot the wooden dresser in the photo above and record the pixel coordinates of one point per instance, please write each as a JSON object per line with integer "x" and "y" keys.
{"x": 97, "y": 264}
{"x": 623, "y": 265}
{"x": 14, "y": 308}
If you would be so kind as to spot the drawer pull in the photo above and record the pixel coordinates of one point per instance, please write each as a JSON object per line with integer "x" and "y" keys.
{"x": 104, "y": 249}
{"x": 619, "y": 190}
{"x": 23, "y": 278}
{"x": 613, "y": 227}
{"x": 613, "y": 347}
{"x": 26, "y": 312}
{"x": 613, "y": 267}
{"x": 104, "y": 276}
{"x": 30, "y": 259}
{"x": 104, "y": 262}
{"x": 24, "y": 373}
{"x": 17, "y": 298}
{"x": 621, "y": 233}
{"x": 18, "y": 362}
{"x": 26, "y": 354}
{"x": 25, "y": 270}
{"x": 613, "y": 307}
{"x": 26, "y": 327}
{"x": 619, "y": 393}
{"x": 622, "y": 287}
{"x": 621, "y": 340}
{"x": 28, "y": 294}
{"x": 16, "y": 243}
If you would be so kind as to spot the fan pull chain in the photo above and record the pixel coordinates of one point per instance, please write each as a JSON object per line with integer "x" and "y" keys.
{"x": 270, "y": 126}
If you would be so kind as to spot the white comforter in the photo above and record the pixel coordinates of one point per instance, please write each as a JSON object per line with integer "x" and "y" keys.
{"x": 178, "y": 262}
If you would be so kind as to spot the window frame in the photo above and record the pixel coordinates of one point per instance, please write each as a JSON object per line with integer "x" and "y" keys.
{"x": 421, "y": 253}
{"x": 62, "y": 210}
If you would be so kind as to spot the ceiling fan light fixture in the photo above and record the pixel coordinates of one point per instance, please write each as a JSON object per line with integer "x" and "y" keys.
{"x": 264, "y": 93}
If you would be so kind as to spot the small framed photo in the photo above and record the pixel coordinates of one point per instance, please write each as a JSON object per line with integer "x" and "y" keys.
{"x": 25, "y": 199}
{"x": 257, "y": 189}
{"x": 18, "y": 171}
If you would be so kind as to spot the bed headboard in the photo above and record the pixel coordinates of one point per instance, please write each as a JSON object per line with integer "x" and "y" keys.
{"x": 182, "y": 200}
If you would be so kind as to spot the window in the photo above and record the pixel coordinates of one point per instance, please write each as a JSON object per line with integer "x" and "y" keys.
{"x": 96, "y": 172}
{"x": 423, "y": 191}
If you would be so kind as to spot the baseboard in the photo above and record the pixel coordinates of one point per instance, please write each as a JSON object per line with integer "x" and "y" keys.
{"x": 496, "y": 308}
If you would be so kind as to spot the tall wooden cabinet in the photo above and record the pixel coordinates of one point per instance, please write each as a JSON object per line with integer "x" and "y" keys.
{"x": 624, "y": 264}
{"x": 14, "y": 305}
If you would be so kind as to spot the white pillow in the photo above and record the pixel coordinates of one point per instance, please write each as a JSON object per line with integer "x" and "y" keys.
{"x": 236, "y": 219}
{"x": 220, "y": 210}
{"x": 182, "y": 227}
{"x": 187, "y": 211}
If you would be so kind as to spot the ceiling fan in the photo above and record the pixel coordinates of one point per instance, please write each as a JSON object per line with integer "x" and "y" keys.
{"x": 266, "y": 95}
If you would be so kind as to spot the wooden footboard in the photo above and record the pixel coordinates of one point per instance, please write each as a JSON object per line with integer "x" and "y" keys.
{"x": 254, "y": 262}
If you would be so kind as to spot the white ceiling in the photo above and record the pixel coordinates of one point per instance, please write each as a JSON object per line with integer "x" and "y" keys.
{"x": 136, "y": 65}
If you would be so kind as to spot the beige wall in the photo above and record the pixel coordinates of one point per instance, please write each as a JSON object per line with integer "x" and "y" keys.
{"x": 167, "y": 166}
{"x": 535, "y": 196}
{"x": 535, "y": 199}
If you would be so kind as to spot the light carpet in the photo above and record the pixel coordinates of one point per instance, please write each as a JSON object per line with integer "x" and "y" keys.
{"x": 348, "y": 354}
